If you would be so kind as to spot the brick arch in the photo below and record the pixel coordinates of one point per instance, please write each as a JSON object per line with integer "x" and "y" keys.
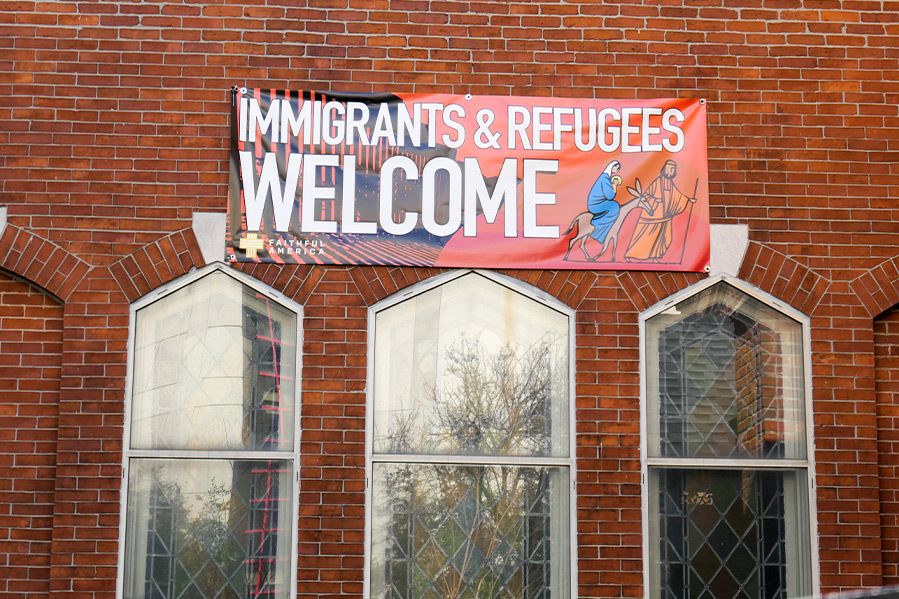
{"x": 764, "y": 267}
{"x": 296, "y": 281}
{"x": 646, "y": 288}
{"x": 176, "y": 254}
{"x": 42, "y": 262}
{"x": 568, "y": 286}
{"x": 784, "y": 278}
{"x": 878, "y": 289}
{"x": 769, "y": 270}
{"x": 157, "y": 263}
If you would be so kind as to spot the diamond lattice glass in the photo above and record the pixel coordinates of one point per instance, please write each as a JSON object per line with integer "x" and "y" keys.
{"x": 725, "y": 380}
{"x": 727, "y": 533}
{"x": 201, "y": 529}
{"x": 453, "y": 531}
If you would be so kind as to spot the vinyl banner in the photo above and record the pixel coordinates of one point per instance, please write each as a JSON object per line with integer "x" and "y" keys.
{"x": 461, "y": 181}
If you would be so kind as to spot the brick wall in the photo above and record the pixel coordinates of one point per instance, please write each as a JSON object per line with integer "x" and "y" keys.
{"x": 114, "y": 130}
{"x": 30, "y": 357}
{"x": 886, "y": 344}
{"x": 118, "y": 111}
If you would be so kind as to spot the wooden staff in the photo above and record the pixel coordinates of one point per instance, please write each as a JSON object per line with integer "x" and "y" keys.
{"x": 689, "y": 216}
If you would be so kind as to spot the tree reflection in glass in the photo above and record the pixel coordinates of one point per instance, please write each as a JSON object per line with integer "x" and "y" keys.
{"x": 466, "y": 530}
{"x": 487, "y": 404}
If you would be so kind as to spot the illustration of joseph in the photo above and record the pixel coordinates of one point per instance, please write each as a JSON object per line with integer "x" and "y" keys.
{"x": 663, "y": 201}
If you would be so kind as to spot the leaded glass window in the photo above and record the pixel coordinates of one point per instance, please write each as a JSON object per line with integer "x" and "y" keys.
{"x": 211, "y": 448}
{"x": 470, "y": 443}
{"x": 727, "y": 449}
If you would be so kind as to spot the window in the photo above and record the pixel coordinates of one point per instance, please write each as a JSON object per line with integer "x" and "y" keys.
{"x": 211, "y": 442}
{"x": 470, "y": 442}
{"x": 728, "y": 447}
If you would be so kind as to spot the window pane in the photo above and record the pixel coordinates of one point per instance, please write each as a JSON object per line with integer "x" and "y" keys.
{"x": 208, "y": 529}
{"x": 214, "y": 368}
{"x": 729, "y": 533}
{"x": 471, "y": 367}
{"x": 450, "y": 531}
{"x": 725, "y": 379}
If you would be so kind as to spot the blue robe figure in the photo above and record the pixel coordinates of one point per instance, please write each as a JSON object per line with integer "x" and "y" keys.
{"x": 601, "y": 202}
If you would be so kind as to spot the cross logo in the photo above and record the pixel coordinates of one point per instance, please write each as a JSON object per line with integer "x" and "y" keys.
{"x": 251, "y": 244}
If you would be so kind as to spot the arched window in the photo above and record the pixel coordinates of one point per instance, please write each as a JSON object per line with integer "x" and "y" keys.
{"x": 211, "y": 441}
{"x": 727, "y": 446}
{"x": 470, "y": 442}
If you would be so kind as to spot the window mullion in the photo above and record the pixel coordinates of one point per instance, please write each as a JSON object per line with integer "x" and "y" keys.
{"x": 720, "y": 463}
{"x": 474, "y": 460}
{"x": 175, "y": 454}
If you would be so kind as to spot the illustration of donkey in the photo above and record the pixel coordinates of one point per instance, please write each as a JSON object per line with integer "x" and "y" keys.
{"x": 584, "y": 227}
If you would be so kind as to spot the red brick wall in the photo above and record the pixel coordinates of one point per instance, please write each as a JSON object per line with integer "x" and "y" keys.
{"x": 886, "y": 356}
{"x": 30, "y": 357}
{"x": 102, "y": 98}
{"x": 114, "y": 130}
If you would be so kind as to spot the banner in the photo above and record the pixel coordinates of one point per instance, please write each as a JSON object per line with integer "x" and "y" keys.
{"x": 462, "y": 181}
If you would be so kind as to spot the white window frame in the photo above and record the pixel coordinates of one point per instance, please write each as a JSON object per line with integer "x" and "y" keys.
{"x": 128, "y": 454}
{"x": 808, "y": 464}
{"x": 570, "y": 462}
